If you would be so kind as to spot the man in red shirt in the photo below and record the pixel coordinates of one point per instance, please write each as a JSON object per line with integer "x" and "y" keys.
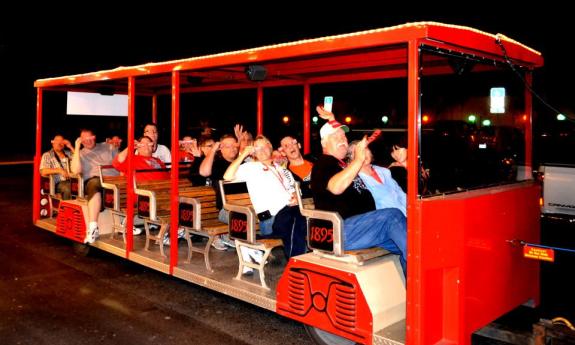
{"x": 142, "y": 161}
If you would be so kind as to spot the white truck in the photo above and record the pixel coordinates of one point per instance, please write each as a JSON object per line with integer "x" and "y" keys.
{"x": 558, "y": 190}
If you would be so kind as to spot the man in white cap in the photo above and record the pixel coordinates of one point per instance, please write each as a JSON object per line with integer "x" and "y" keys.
{"x": 337, "y": 187}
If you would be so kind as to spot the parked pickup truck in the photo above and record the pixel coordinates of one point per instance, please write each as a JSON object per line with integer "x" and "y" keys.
{"x": 558, "y": 190}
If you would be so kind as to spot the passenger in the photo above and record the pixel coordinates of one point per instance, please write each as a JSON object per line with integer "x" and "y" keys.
{"x": 384, "y": 189}
{"x": 337, "y": 187}
{"x": 56, "y": 162}
{"x": 142, "y": 161}
{"x": 301, "y": 168}
{"x": 272, "y": 191}
{"x": 399, "y": 170}
{"x": 115, "y": 141}
{"x": 160, "y": 151}
{"x": 206, "y": 144}
{"x": 245, "y": 138}
{"x": 213, "y": 167}
{"x": 86, "y": 161}
{"x": 189, "y": 149}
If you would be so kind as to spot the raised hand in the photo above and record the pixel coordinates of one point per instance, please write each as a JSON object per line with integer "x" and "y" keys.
{"x": 324, "y": 114}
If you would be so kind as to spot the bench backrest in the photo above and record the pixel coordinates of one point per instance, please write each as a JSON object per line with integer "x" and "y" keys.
{"x": 242, "y": 220}
{"x": 154, "y": 197}
{"x": 114, "y": 189}
{"x": 324, "y": 228}
{"x": 197, "y": 207}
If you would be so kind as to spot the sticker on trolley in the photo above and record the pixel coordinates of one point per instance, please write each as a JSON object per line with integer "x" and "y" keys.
{"x": 538, "y": 253}
{"x": 143, "y": 206}
{"x": 320, "y": 234}
{"x": 186, "y": 214}
{"x": 108, "y": 198}
{"x": 238, "y": 225}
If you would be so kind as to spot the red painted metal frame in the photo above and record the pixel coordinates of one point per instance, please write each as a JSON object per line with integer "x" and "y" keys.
{"x": 37, "y": 158}
{"x": 260, "y": 110}
{"x": 306, "y": 119}
{"x": 175, "y": 172}
{"x": 468, "y": 272}
{"x": 130, "y": 198}
{"x": 414, "y": 241}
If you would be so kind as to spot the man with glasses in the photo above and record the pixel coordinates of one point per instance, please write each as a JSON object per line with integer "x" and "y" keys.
{"x": 55, "y": 163}
{"x": 214, "y": 167}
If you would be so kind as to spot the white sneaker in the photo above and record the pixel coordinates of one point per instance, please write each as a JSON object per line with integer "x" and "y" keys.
{"x": 92, "y": 234}
{"x": 256, "y": 256}
{"x": 228, "y": 241}
{"x": 166, "y": 239}
{"x": 219, "y": 244}
{"x": 247, "y": 271}
{"x": 136, "y": 231}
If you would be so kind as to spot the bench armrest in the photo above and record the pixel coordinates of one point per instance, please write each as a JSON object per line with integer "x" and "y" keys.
{"x": 151, "y": 195}
{"x": 332, "y": 217}
{"x": 196, "y": 212}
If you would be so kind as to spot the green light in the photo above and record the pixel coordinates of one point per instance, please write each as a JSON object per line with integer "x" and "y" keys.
{"x": 384, "y": 119}
{"x": 486, "y": 122}
{"x": 561, "y": 117}
{"x": 314, "y": 119}
{"x": 472, "y": 118}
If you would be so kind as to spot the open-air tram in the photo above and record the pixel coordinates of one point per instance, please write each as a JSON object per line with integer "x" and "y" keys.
{"x": 456, "y": 97}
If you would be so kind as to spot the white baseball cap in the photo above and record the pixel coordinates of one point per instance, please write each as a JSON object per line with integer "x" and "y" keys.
{"x": 330, "y": 127}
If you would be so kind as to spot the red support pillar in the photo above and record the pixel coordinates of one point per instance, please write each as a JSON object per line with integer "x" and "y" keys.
{"x": 130, "y": 198}
{"x": 37, "y": 158}
{"x": 414, "y": 320}
{"x": 175, "y": 169}
{"x": 155, "y": 109}
{"x": 260, "y": 115}
{"x": 306, "y": 120}
{"x": 528, "y": 125}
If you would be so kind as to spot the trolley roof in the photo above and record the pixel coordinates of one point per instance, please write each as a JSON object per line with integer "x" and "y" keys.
{"x": 371, "y": 54}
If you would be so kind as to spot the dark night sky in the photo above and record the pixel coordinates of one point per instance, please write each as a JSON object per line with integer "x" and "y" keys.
{"x": 46, "y": 43}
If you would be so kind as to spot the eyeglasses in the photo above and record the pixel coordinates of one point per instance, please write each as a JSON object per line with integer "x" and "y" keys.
{"x": 228, "y": 146}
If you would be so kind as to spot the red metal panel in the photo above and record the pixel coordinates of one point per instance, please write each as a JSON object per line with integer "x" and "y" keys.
{"x": 71, "y": 223}
{"x": 470, "y": 273}
{"x": 325, "y": 298}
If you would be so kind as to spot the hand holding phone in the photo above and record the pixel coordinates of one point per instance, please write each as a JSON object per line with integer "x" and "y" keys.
{"x": 328, "y": 103}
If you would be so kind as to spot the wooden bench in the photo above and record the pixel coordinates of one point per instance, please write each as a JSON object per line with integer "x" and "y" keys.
{"x": 198, "y": 215}
{"x": 325, "y": 235}
{"x": 154, "y": 206}
{"x": 114, "y": 196}
{"x": 243, "y": 226}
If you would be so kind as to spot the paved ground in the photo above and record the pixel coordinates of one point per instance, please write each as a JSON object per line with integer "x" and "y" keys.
{"x": 49, "y": 295}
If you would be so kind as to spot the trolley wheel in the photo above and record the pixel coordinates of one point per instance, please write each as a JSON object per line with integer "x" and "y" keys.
{"x": 81, "y": 249}
{"x": 322, "y": 337}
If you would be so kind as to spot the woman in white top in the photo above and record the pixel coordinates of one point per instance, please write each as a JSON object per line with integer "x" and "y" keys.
{"x": 272, "y": 191}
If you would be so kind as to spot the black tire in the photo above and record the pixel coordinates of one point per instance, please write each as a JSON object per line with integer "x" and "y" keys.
{"x": 322, "y": 337}
{"x": 81, "y": 249}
